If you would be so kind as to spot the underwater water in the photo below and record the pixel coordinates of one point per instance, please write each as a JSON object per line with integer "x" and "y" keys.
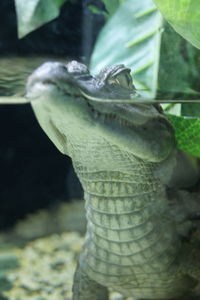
{"x": 38, "y": 258}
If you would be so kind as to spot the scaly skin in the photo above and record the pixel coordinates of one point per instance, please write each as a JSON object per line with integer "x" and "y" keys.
{"x": 119, "y": 151}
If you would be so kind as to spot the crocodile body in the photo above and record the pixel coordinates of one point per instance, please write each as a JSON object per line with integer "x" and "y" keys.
{"x": 132, "y": 242}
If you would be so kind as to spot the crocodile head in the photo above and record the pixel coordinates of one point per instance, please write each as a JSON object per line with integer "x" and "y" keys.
{"x": 61, "y": 96}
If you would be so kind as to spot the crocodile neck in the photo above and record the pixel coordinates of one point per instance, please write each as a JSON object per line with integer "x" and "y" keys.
{"x": 130, "y": 233}
{"x": 131, "y": 238}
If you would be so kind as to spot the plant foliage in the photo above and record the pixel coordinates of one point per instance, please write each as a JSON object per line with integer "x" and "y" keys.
{"x": 187, "y": 131}
{"x": 132, "y": 37}
{"x": 33, "y": 14}
{"x": 112, "y": 5}
{"x": 184, "y": 16}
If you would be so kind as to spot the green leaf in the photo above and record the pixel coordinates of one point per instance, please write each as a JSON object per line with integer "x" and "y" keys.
{"x": 132, "y": 37}
{"x": 191, "y": 109}
{"x": 184, "y": 16}
{"x": 95, "y": 10}
{"x": 187, "y": 131}
{"x": 33, "y": 14}
{"x": 112, "y": 5}
{"x": 178, "y": 72}
{"x": 59, "y": 2}
{"x": 172, "y": 108}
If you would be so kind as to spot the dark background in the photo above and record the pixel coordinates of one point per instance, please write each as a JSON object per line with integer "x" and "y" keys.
{"x": 33, "y": 174}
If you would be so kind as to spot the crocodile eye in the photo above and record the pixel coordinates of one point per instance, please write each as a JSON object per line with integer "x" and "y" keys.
{"x": 123, "y": 79}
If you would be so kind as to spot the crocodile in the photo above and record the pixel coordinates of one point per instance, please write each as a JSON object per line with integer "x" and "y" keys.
{"x": 138, "y": 239}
